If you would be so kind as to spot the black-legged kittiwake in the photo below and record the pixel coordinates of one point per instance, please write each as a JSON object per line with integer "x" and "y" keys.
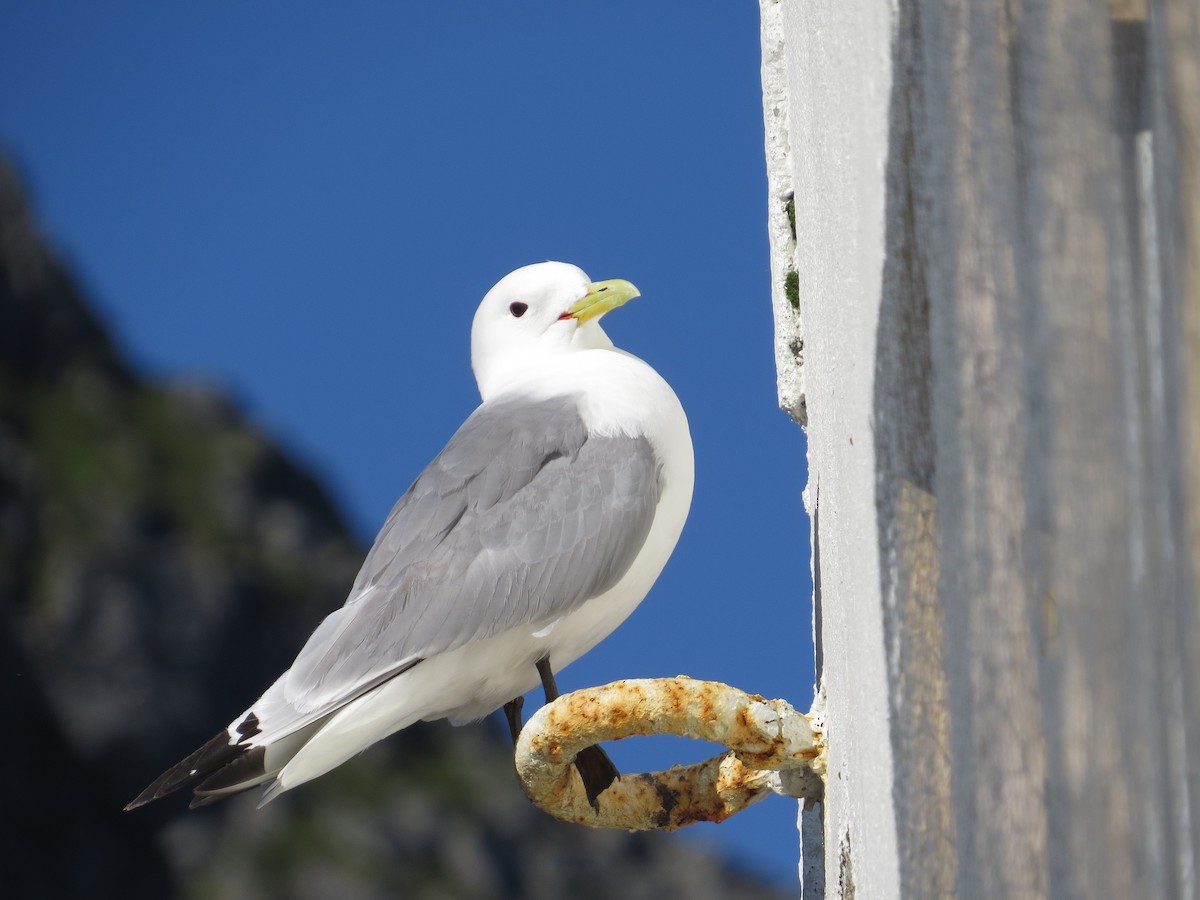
{"x": 528, "y": 539}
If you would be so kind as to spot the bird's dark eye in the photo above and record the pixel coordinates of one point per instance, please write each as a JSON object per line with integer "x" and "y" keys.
{"x": 518, "y": 308}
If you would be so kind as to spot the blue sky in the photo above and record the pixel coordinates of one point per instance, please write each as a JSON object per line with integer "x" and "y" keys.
{"x": 304, "y": 206}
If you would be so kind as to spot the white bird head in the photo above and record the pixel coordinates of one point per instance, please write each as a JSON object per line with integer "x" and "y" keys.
{"x": 539, "y": 311}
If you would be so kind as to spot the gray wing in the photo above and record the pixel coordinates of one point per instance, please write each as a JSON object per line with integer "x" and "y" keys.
{"x": 519, "y": 520}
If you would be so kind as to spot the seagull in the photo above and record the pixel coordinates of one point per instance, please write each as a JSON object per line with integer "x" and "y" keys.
{"x": 531, "y": 536}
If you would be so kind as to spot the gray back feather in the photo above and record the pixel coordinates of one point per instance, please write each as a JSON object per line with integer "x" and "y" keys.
{"x": 520, "y": 519}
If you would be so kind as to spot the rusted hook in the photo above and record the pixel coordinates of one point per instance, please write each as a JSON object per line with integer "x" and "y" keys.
{"x": 765, "y": 737}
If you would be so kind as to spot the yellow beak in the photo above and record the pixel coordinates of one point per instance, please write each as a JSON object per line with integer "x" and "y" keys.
{"x": 601, "y": 297}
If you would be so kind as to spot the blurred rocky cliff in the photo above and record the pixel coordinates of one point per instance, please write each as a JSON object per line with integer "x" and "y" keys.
{"x": 160, "y": 563}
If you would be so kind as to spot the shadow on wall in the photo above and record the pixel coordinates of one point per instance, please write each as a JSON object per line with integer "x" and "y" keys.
{"x": 907, "y": 511}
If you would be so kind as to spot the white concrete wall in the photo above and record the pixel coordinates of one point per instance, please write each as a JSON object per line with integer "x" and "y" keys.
{"x": 996, "y": 352}
{"x": 832, "y": 163}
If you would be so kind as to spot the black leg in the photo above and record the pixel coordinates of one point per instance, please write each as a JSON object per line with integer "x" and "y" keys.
{"x": 592, "y": 763}
{"x": 549, "y": 685}
{"x": 512, "y": 712}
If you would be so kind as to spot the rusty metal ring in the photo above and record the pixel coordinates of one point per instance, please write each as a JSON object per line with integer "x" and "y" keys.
{"x": 765, "y": 737}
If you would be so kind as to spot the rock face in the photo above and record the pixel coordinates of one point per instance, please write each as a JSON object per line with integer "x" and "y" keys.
{"x": 161, "y": 563}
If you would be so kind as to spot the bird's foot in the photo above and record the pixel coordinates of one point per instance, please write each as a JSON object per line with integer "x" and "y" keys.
{"x": 597, "y": 772}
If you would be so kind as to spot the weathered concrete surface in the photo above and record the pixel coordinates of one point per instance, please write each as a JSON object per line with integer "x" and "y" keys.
{"x": 838, "y": 77}
{"x": 998, "y": 248}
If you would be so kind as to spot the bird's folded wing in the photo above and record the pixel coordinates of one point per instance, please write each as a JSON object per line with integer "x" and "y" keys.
{"x": 522, "y": 518}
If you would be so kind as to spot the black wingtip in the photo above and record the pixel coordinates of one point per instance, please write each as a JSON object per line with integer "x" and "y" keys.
{"x": 597, "y": 771}
{"x": 214, "y": 755}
